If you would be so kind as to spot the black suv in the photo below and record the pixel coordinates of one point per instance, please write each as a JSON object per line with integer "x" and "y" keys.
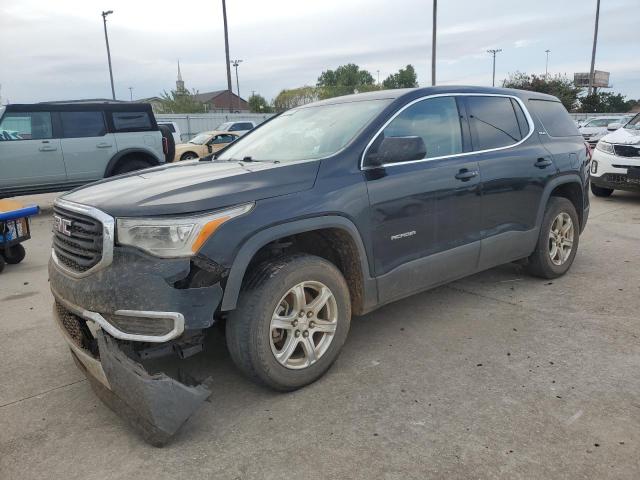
{"x": 327, "y": 210}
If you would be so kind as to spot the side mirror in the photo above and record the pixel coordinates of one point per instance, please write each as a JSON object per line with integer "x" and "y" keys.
{"x": 614, "y": 126}
{"x": 397, "y": 150}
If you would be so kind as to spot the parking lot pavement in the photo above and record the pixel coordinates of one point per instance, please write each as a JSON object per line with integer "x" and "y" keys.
{"x": 496, "y": 376}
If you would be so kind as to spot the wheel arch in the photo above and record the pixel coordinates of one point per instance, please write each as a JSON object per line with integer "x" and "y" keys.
{"x": 569, "y": 187}
{"x": 122, "y": 156}
{"x": 362, "y": 286}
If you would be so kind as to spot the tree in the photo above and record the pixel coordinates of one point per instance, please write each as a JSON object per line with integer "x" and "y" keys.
{"x": 180, "y": 102}
{"x": 344, "y": 80}
{"x": 404, "y": 78}
{"x": 606, "y": 102}
{"x": 560, "y": 86}
{"x": 295, "y": 97}
{"x": 258, "y": 104}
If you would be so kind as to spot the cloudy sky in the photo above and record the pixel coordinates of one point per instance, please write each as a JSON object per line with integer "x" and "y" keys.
{"x": 52, "y": 50}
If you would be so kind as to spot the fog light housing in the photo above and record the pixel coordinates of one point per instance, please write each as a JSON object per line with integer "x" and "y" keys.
{"x": 145, "y": 324}
{"x": 594, "y": 166}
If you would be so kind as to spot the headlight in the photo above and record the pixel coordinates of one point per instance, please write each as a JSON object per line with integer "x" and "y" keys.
{"x": 174, "y": 236}
{"x": 605, "y": 147}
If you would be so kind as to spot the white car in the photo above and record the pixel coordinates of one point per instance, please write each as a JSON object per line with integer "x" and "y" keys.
{"x": 596, "y": 128}
{"x": 615, "y": 163}
{"x": 175, "y": 131}
{"x": 236, "y": 127}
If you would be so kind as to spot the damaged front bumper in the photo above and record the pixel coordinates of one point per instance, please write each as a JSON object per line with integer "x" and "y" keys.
{"x": 155, "y": 404}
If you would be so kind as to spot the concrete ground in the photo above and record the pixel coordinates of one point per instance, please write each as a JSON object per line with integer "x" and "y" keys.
{"x": 496, "y": 376}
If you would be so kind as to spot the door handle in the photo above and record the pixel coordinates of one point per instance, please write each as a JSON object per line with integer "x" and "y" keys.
{"x": 47, "y": 148}
{"x": 103, "y": 145}
{"x": 466, "y": 175}
{"x": 543, "y": 163}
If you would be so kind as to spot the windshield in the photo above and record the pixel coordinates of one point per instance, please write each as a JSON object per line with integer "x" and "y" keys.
{"x": 306, "y": 133}
{"x": 200, "y": 139}
{"x": 223, "y": 127}
{"x": 634, "y": 123}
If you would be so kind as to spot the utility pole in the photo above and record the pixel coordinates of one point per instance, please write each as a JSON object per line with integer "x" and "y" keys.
{"x": 493, "y": 51}
{"x": 378, "y": 72}
{"x": 433, "y": 43}
{"x": 131, "y": 93}
{"x": 226, "y": 50}
{"x": 593, "y": 51}
{"x": 106, "y": 39}
{"x": 236, "y": 64}
{"x": 546, "y": 68}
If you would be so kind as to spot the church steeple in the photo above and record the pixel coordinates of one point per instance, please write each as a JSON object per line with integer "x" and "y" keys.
{"x": 179, "y": 83}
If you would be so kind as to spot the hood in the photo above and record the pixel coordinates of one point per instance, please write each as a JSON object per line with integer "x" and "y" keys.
{"x": 194, "y": 186}
{"x": 624, "y": 136}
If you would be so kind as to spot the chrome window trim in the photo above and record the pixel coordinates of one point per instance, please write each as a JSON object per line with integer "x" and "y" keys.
{"x": 108, "y": 237}
{"x": 178, "y": 321}
{"x": 463, "y": 154}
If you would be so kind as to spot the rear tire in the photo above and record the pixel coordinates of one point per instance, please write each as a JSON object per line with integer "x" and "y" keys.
{"x": 131, "y": 165}
{"x": 560, "y": 230}
{"x": 601, "y": 191}
{"x": 14, "y": 255}
{"x": 277, "y": 336}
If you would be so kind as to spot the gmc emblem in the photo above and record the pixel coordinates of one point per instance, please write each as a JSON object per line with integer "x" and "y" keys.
{"x": 62, "y": 225}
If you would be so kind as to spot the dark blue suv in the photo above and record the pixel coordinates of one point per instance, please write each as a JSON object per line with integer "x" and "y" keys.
{"x": 327, "y": 210}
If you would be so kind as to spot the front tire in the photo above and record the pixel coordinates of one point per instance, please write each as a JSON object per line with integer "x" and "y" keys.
{"x": 14, "y": 255}
{"x": 188, "y": 156}
{"x": 601, "y": 191}
{"x": 131, "y": 165}
{"x": 292, "y": 319}
{"x": 558, "y": 240}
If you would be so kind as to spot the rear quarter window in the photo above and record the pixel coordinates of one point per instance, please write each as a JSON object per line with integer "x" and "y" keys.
{"x": 554, "y": 118}
{"x": 131, "y": 122}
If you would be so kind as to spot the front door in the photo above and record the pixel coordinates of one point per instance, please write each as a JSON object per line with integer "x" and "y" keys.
{"x": 29, "y": 155}
{"x": 425, "y": 213}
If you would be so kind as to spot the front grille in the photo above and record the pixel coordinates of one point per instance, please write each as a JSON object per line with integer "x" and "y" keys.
{"x": 82, "y": 248}
{"x": 627, "y": 151}
{"x": 76, "y": 328}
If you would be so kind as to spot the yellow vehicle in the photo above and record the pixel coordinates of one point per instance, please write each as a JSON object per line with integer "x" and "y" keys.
{"x": 203, "y": 144}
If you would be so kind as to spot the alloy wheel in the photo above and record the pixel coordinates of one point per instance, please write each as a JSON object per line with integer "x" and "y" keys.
{"x": 561, "y": 239}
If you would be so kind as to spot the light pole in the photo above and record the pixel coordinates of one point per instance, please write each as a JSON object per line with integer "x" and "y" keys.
{"x": 106, "y": 39}
{"x": 226, "y": 49}
{"x": 378, "y": 72}
{"x": 546, "y": 68}
{"x": 131, "y": 93}
{"x": 493, "y": 51}
{"x": 236, "y": 64}
{"x": 433, "y": 43}
{"x": 593, "y": 51}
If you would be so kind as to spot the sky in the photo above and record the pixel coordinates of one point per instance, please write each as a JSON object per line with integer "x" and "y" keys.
{"x": 55, "y": 49}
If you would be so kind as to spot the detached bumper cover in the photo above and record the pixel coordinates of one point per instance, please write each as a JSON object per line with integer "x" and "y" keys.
{"x": 155, "y": 404}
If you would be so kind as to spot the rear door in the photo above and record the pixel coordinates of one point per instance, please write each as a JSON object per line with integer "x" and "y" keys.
{"x": 425, "y": 213}
{"x": 86, "y": 145}
{"x": 514, "y": 168}
{"x": 30, "y": 157}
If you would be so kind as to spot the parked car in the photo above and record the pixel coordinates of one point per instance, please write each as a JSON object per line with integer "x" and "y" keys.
{"x": 204, "y": 144}
{"x": 174, "y": 128}
{"x": 329, "y": 210}
{"x": 596, "y": 128}
{"x": 55, "y": 147}
{"x": 616, "y": 161}
{"x": 240, "y": 128}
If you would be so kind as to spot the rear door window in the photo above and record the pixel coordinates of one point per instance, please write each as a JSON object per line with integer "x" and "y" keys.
{"x": 82, "y": 124}
{"x": 131, "y": 121}
{"x": 493, "y": 122}
{"x": 26, "y": 126}
{"x": 554, "y": 117}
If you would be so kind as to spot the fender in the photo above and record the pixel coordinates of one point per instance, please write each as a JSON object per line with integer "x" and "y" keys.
{"x": 553, "y": 183}
{"x": 260, "y": 239}
{"x": 114, "y": 160}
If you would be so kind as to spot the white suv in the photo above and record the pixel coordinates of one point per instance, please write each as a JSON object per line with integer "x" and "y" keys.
{"x": 596, "y": 128}
{"x": 49, "y": 147}
{"x": 616, "y": 161}
{"x": 236, "y": 127}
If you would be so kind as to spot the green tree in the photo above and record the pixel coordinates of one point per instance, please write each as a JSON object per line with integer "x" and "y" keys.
{"x": 606, "y": 102}
{"x": 344, "y": 80}
{"x": 258, "y": 104}
{"x": 404, "y": 78}
{"x": 295, "y": 97}
{"x": 180, "y": 102}
{"x": 560, "y": 86}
